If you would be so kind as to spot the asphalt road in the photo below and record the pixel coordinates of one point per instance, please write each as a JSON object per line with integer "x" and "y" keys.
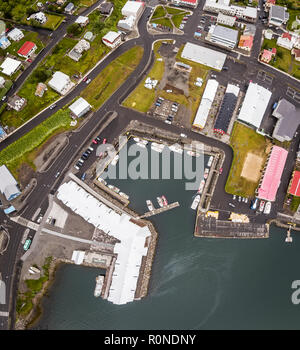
{"x": 46, "y": 182}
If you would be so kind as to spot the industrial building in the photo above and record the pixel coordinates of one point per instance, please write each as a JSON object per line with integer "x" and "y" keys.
{"x": 61, "y": 83}
{"x": 294, "y": 186}
{"x": 288, "y": 120}
{"x": 133, "y": 8}
{"x": 133, "y": 238}
{"x": 8, "y": 184}
{"x": 186, "y": 3}
{"x": 205, "y": 104}
{"x": 80, "y": 107}
{"x": 223, "y": 36}
{"x": 226, "y": 20}
{"x": 10, "y": 66}
{"x": 127, "y": 23}
{"x": 278, "y": 15}
{"x": 227, "y": 108}
{"x": 112, "y": 39}
{"x": 255, "y": 104}
{"x": 246, "y": 13}
{"x": 203, "y": 55}
{"x": 271, "y": 177}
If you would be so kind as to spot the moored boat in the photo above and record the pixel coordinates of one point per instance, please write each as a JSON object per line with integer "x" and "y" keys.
{"x": 99, "y": 285}
{"x": 267, "y": 208}
{"x": 195, "y": 202}
{"x": 115, "y": 160}
{"x": 202, "y": 183}
{"x": 209, "y": 163}
{"x": 149, "y": 205}
{"x": 124, "y": 195}
{"x": 164, "y": 199}
{"x": 176, "y": 148}
{"x": 160, "y": 201}
{"x": 102, "y": 181}
{"x": 206, "y": 171}
{"x": 114, "y": 188}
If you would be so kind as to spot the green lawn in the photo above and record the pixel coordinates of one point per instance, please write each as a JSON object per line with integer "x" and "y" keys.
{"x": 7, "y": 86}
{"x": 142, "y": 98}
{"x": 295, "y": 203}
{"x": 173, "y": 11}
{"x": 164, "y": 22}
{"x": 284, "y": 60}
{"x": 177, "y": 19}
{"x": 159, "y": 12}
{"x": 20, "y": 151}
{"x": 112, "y": 77}
{"x": 244, "y": 140}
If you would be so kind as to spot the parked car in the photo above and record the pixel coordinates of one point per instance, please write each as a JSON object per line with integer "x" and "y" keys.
{"x": 98, "y": 139}
{"x": 254, "y": 204}
{"x": 95, "y": 141}
{"x": 3, "y": 98}
{"x": 83, "y": 176}
{"x": 168, "y": 121}
{"x": 91, "y": 148}
{"x": 220, "y": 170}
{"x": 84, "y": 156}
{"x": 85, "y": 79}
{"x": 240, "y": 198}
{"x": 232, "y": 205}
{"x": 88, "y": 81}
{"x": 29, "y": 60}
{"x": 104, "y": 141}
{"x": 57, "y": 174}
{"x": 234, "y": 197}
{"x": 81, "y": 161}
{"x": 27, "y": 244}
{"x": 39, "y": 219}
{"x": 53, "y": 106}
{"x": 77, "y": 166}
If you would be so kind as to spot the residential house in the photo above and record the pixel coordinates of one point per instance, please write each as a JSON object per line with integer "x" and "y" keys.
{"x": 286, "y": 41}
{"x": 267, "y": 55}
{"x": 61, "y": 83}
{"x": 10, "y": 66}
{"x": 296, "y": 53}
{"x": 246, "y": 42}
{"x": 39, "y": 17}
{"x": 106, "y": 8}
{"x": 82, "y": 21}
{"x": 112, "y": 39}
{"x": 78, "y": 50}
{"x": 27, "y": 49}
{"x": 16, "y": 102}
{"x": 15, "y": 34}
{"x": 4, "y": 43}
{"x": 69, "y": 8}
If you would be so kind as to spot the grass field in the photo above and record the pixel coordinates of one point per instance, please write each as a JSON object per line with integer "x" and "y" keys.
{"x": 52, "y": 23}
{"x": 244, "y": 140}
{"x": 142, "y": 98}
{"x": 21, "y": 150}
{"x": 159, "y": 12}
{"x": 7, "y": 86}
{"x": 111, "y": 78}
{"x": 163, "y": 21}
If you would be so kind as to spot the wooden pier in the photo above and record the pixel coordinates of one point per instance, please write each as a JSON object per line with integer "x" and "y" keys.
{"x": 159, "y": 210}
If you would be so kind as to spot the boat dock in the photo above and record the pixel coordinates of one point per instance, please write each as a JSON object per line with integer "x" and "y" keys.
{"x": 289, "y": 238}
{"x": 159, "y": 210}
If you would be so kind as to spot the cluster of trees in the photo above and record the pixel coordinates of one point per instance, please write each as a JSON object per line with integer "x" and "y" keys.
{"x": 13, "y": 9}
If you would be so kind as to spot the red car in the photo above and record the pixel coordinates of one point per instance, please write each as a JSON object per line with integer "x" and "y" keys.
{"x": 29, "y": 60}
{"x": 104, "y": 141}
{"x": 95, "y": 142}
{"x": 220, "y": 170}
{"x": 85, "y": 79}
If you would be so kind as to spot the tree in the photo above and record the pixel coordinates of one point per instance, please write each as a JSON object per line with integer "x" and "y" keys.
{"x": 74, "y": 29}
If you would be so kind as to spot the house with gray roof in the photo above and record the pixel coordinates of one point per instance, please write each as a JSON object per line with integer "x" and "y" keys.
{"x": 288, "y": 120}
{"x": 278, "y": 15}
{"x": 8, "y": 184}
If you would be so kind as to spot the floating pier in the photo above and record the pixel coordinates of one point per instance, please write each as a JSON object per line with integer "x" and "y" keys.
{"x": 288, "y": 238}
{"x": 159, "y": 210}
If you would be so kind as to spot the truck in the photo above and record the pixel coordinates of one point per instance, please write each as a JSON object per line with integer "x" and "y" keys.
{"x": 274, "y": 105}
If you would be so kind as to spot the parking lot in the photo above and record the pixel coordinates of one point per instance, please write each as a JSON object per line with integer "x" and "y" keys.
{"x": 166, "y": 109}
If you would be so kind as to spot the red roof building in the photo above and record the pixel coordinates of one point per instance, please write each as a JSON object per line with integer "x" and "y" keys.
{"x": 295, "y": 184}
{"x": 286, "y": 36}
{"x": 246, "y": 42}
{"x": 272, "y": 174}
{"x": 267, "y": 55}
{"x": 27, "y": 49}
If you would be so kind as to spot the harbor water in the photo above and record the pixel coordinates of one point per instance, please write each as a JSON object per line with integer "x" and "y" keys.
{"x": 196, "y": 283}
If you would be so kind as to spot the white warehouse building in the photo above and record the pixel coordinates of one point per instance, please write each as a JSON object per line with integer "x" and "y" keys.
{"x": 203, "y": 55}
{"x": 255, "y": 104}
{"x": 132, "y": 247}
{"x": 133, "y": 8}
{"x": 205, "y": 104}
{"x": 80, "y": 107}
{"x": 224, "y": 36}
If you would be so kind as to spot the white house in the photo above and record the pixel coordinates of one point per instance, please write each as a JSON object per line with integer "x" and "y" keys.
{"x": 61, "y": 83}
{"x": 82, "y": 21}
{"x": 15, "y": 34}
{"x": 10, "y": 66}
{"x": 80, "y": 107}
{"x": 8, "y": 184}
{"x": 127, "y": 23}
{"x": 4, "y": 43}
{"x": 286, "y": 41}
{"x": 112, "y": 39}
{"x": 78, "y": 50}
{"x": 39, "y": 17}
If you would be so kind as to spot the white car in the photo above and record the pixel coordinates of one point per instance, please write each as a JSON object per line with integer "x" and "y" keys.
{"x": 234, "y": 197}
{"x": 183, "y": 135}
{"x": 240, "y": 198}
{"x": 232, "y": 205}
{"x": 39, "y": 219}
{"x": 88, "y": 81}
{"x": 168, "y": 121}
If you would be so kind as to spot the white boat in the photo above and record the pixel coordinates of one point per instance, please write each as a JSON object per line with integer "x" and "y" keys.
{"x": 175, "y": 148}
{"x": 164, "y": 199}
{"x": 195, "y": 202}
{"x": 158, "y": 147}
{"x": 149, "y": 205}
{"x": 267, "y": 208}
{"x": 206, "y": 171}
{"x": 261, "y": 206}
{"x": 114, "y": 188}
{"x": 202, "y": 183}
{"x": 102, "y": 181}
{"x": 115, "y": 160}
{"x": 209, "y": 163}
{"x": 136, "y": 139}
{"x": 124, "y": 195}
{"x": 160, "y": 201}
{"x": 99, "y": 285}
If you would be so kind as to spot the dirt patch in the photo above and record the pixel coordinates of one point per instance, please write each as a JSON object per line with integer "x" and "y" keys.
{"x": 25, "y": 173}
{"x": 173, "y": 89}
{"x": 49, "y": 151}
{"x": 251, "y": 167}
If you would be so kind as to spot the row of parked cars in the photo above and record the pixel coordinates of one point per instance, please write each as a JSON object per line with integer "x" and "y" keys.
{"x": 87, "y": 153}
{"x": 263, "y": 207}
{"x": 174, "y": 110}
{"x": 183, "y": 22}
